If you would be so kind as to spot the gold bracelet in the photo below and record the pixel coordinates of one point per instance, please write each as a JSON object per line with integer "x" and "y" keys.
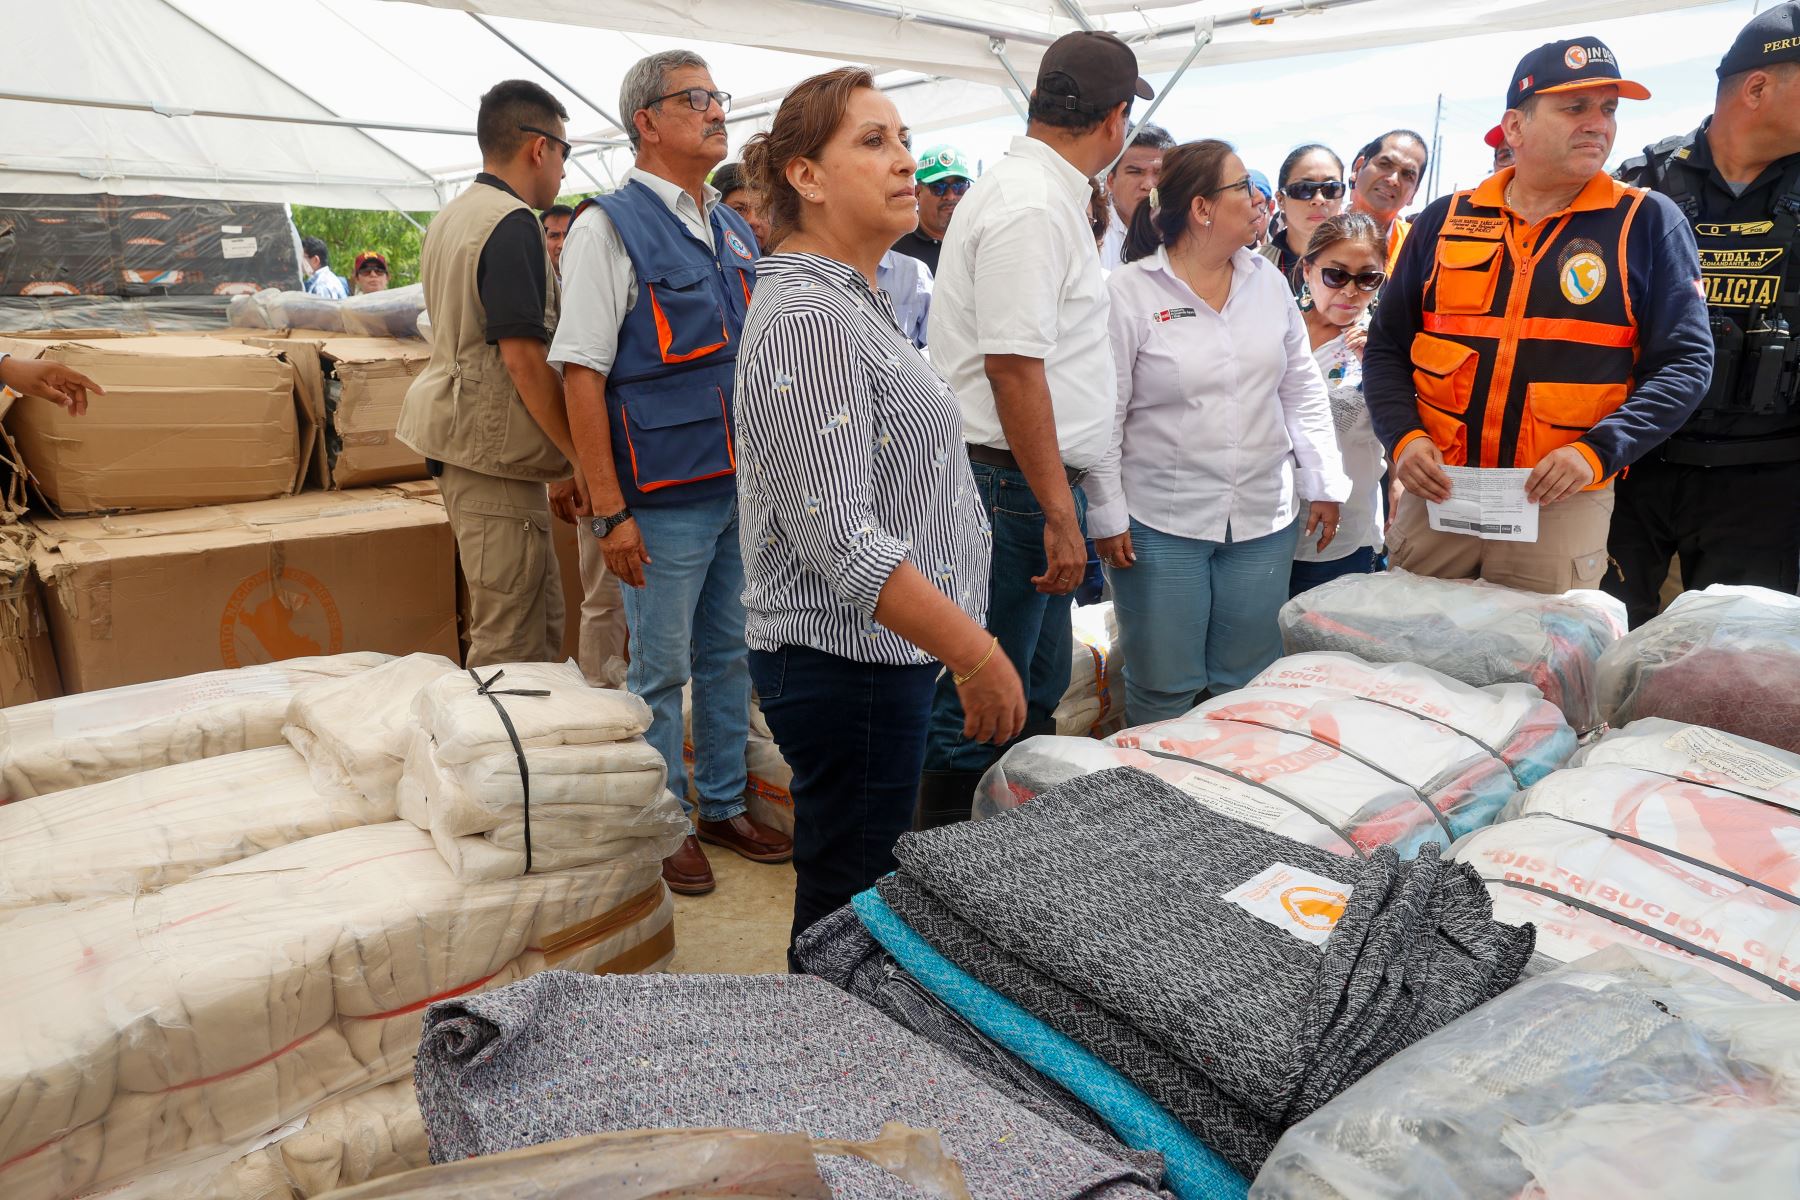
{"x": 976, "y": 669}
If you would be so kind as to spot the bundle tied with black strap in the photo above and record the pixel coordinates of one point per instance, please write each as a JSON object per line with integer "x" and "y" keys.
{"x": 556, "y": 775}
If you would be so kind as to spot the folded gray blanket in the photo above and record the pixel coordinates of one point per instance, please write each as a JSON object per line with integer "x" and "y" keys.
{"x": 558, "y": 1054}
{"x": 1115, "y": 886}
{"x": 1240, "y": 1137}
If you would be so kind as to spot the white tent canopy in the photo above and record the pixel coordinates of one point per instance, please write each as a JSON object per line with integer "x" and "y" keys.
{"x": 371, "y": 103}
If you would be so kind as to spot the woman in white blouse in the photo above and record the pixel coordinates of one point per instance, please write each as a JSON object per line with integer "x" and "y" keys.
{"x": 1344, "y": 266}
{"x": 1222, "y": 422}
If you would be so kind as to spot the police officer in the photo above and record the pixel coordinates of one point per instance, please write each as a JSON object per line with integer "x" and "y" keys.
{"x": 1549, "y": 319}
{"x": 1724, "y": 491}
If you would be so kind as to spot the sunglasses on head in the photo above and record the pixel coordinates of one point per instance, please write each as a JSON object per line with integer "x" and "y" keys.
{"x": 699, "y": 99}
{"x": 548, "y": 136}
{"x": 1306, "y": 189}
{"x": 948, "y": 187}
{"x": 1336, "y": 278}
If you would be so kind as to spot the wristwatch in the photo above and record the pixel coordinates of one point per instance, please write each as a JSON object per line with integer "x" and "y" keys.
{"x": 605, "y": 525}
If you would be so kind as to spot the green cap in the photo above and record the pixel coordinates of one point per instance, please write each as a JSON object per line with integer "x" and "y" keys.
{"x": 942, "y": 162}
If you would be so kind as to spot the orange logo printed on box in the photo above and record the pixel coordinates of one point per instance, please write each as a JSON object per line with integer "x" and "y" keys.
{"x": 263, "y": 622}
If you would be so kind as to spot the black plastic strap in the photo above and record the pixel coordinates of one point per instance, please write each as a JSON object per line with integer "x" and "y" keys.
{"x": 1261, "y": 787}
{"x": 1354, "y": 756}
{"x": 1710, "y": 868}
{"x": 1653, "y": 933}
{"x": 486, "y": 688}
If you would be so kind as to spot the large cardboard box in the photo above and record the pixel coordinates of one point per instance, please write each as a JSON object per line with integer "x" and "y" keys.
{"x": 185, "y": 421}
{"x": 365, "y": 386}
{"x": 167, "y": 594}
{"x": 27, "y": 661}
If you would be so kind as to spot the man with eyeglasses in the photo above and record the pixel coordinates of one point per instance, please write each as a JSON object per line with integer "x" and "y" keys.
{"x": 657, "y": 277}
{"x": 942, "y": 176}
{"x": 1549, "y": 320}
{"x": 1385, "y": 177}
{"x": 487, "y": 410}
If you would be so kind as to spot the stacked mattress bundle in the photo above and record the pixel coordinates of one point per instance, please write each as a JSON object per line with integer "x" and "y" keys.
{"x": 1727, "y": 658}
{"x": 1470, "y": 630}
{"x": 1197, "y": 984}
{"x": 525, "y": 768}
{"x": 1668, "y": 837}
{"x": 1329, "y": 750}
{"x": 1618, "y": 1076}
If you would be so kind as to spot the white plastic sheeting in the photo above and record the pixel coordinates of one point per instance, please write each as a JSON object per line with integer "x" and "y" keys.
{"x": 418, "y": 65}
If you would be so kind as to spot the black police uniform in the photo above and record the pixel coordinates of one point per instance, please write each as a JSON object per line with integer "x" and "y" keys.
{"x": 1724, "y": 492}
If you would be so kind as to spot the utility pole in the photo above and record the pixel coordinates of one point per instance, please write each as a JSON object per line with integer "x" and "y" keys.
{"x": 1435, "y": 175}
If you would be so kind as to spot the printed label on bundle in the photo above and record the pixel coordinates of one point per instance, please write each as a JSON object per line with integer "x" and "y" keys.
{"x": 1294, "y": 900}
{"x": 1240, "y": 804}
{"x": 1716, "y": 752}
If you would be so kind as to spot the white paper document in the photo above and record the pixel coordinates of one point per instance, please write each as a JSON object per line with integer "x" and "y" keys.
{"x": 1487, "y": 502}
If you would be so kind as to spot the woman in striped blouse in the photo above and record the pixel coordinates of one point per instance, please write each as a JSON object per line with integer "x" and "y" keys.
{"x": 865, "y": 545}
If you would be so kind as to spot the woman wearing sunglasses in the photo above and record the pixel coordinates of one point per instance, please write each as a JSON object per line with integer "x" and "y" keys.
{"x": 1310, "y": 188}
{"x": 1343, "y": 269}
{"x": 1222, "y": 421}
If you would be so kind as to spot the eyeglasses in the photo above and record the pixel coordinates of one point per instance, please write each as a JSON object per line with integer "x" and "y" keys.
{"x": 699, "y": 99}
{"x": 1336, "y": 278}
{"x": 948, "y": 187}
{"x": 1306, "y": 189}
{"x": 1247, "y": 183}
{"x": 545, "y": 133}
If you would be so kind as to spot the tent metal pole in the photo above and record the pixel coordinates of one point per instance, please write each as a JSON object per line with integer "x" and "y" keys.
{"x": 97, "y": 174}
{"x": 891, "y": 12}
{"x": 1202, "y": 39}
{"x": 997, "y": 47}
{"x": 1077, "y": 13}
{"x": 404, "y": 214}
{"x": 539, "y": 63}
{"x": 172, "y": 110}
{"x": 1260, "y": 15}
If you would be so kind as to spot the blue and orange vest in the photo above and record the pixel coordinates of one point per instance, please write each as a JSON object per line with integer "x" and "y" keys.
{"x": 1528, "y": 339}
{"x": 668, "y": 395}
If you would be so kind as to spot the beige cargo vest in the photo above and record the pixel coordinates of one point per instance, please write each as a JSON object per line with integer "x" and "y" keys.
{"x": 463, "y": 407}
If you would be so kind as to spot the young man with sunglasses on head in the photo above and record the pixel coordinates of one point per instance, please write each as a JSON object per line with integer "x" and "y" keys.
{"x": 1551, "y": 319}
{"x": 487, "y": 411}
{"x": 943, "y": 176}
{"x": 657, "y": 278}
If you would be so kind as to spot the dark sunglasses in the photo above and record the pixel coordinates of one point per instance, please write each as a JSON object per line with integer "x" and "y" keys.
{"x": 948, "y": 187}
{"x": 699, "y": 99}
{"x": 1306, "y": 189}
{"x": 1336, "y": 278}
{"x": 546, "y": 134}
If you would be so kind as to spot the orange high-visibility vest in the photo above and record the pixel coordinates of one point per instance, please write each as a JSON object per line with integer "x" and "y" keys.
{"x": 1528, "y": 339}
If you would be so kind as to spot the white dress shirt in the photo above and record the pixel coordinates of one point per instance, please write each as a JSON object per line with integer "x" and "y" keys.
{"x": 1018, "y": 275}
{"x": 1222, "y": 416}
{"x": 599, "y": 285}
{"x": 1112, "y": 245}
{"x": 1364, "y": 460}
{"x": 907, "y": 282}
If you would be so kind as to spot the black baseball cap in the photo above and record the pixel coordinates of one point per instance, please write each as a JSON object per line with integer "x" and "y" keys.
{"x": 1770, "y": 38}
{"x": 1582, "y": 62}
{"x": 1090, "y": 72}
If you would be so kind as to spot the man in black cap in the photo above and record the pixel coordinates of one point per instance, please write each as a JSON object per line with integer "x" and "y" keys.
{"x": 1724, "y": 492}
{"x": 1019, "y": 329}
{"x": 1549, "y": 320}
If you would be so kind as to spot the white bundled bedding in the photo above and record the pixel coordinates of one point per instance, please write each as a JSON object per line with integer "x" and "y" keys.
{"x": 354, "y": 732}
{"x": 145, "y": 1031}
{"x": 72, "y": 741}
{"x": 466, "y": 725}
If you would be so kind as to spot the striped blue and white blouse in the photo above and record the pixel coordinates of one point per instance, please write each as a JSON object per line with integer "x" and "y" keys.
{"x": 850, "y": 460}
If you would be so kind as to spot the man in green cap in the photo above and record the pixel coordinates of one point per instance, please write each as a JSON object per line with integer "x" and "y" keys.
{"x": 943, "y": 176}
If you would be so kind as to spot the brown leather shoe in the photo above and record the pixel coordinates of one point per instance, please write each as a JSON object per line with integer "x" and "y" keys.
{"x": 758, "y": 843}
{"x": 686, "y": 871}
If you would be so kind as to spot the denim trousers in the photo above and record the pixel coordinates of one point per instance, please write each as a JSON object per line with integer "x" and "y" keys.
{"x": 854, "y": 734}
{"x": 1197, "y": 616}
{"x": 1309, "y": 575}
{"x": 687, "y": 621}
{"x": 1033, "y": 628}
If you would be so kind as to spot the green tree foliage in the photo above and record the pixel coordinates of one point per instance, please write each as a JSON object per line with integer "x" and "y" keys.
{"x": 350, "y": 231}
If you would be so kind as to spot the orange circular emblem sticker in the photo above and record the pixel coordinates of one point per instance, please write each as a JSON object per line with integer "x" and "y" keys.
{"x": 1314, "y": 908}
{"x": 1576, "y": 58}
{"x": 265, "y": 621}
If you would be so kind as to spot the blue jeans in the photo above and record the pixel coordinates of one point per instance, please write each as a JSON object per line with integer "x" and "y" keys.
{"x": 1033, "y": 628}
{"x": 1309, "y": 575}
{"x": 1197, "y": 616}
{"x": 854, "y": 733}
{"x": 688, "y": 620}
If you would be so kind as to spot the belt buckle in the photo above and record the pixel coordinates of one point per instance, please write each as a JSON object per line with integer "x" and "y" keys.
{"x": 1075, "y": 477}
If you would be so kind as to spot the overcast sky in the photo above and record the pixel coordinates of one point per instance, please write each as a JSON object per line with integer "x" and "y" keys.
{"x": 1267, "y": 108}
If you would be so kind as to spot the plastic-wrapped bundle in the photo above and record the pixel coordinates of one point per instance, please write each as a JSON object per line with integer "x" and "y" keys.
{"x": 1673, "y": 838}
{"x": 1727, "y": 658}
{"x": 1467, "y": 629}
{"x": 354, "y": 733}
{"x": 1617, "y": 1076}
{"x": 145, "y": 832}
{"x": 150, "y": 1031}
{"x": 1330, "y": 751}
{"x": 464, "y": 723}
{"x": 1094, "y": 705}
{"x": 72, "y": 741}
{"x": 393, "y": 313}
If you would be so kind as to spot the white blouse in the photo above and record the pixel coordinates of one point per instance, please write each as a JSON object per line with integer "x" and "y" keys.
{"x": 1222, "y": 416}
{"x": 1364, "y": 459}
